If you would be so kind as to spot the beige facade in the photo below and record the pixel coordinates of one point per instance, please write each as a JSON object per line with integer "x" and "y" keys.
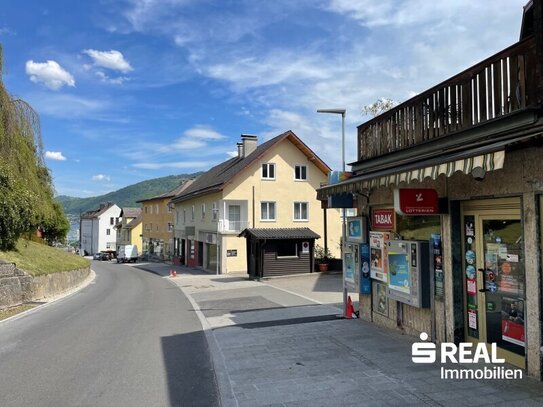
{"x": 251, "y": 200}
{"x": 157, "y": 221}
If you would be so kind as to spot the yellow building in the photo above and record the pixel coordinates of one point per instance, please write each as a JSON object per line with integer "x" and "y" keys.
{"x": 129, "y": 228}
{"x": 270, "y": 186}
{"x": 157, "y": 220}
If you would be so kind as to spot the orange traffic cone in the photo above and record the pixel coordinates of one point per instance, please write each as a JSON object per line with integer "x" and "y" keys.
{"x": 349, "y": 308}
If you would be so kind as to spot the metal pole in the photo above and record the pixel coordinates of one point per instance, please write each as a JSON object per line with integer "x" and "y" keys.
{"x": 343, "y": 140}
{"x": 344, "y": 226}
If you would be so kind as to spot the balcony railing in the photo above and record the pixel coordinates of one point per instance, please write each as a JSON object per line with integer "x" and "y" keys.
{"x": 232, "y": 226}
{"x": 494, "y": 88}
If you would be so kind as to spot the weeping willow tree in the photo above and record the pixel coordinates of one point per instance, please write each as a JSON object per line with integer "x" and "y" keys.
{"x": 26, "y": 190}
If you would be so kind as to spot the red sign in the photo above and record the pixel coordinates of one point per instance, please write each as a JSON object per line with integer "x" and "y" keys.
{"x": 416, "y": 201}
{"x": 383, "y": 219}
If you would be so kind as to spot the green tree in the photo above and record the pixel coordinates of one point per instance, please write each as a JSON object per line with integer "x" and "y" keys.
{"x": 26, "y": 189}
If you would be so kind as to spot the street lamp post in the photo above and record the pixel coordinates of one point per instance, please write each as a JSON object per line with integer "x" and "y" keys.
{"x": 343, "y": 226}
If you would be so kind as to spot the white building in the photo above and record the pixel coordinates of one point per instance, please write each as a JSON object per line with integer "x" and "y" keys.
{"x": 97, "y": 233}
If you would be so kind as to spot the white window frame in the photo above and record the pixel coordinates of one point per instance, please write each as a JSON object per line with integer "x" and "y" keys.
{"x": 300, "y": 166}
{"x": 184, "y": 216}
{"x": 300, "y": 211}
{"x": 108, "y": 231}
{"x": 268, "y": 166}
{"x": 192, "y": 213}
{"x": 156, "y": 208}
{"x": 267, "y": 203}
{"x": 203, "y": 211}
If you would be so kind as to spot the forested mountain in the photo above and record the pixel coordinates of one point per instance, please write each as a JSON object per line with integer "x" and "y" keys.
{"x": 125, "y": 197}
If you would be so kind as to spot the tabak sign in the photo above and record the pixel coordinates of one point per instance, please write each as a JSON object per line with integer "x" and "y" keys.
{"x": 383, "y": 219}
{"x": 416, "y": 201}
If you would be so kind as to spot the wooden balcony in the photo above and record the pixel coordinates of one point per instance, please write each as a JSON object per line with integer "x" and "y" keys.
{"x": 490, "y": 91}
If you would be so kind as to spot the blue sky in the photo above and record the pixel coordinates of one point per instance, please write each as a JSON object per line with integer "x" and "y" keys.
{"x": 137, "y": 89}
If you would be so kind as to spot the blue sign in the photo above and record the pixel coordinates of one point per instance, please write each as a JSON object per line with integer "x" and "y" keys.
{"x": 365, "y": 278}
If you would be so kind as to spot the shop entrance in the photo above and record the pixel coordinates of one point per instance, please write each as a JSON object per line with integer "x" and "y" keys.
{"x": 494, "y": 277}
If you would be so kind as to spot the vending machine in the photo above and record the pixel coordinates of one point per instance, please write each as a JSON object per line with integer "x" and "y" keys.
{"x": 409, "y": 272}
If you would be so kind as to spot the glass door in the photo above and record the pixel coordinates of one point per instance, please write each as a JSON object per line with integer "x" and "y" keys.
{"x": 494, "y": 280}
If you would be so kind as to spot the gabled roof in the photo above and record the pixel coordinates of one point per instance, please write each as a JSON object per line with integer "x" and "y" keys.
{"x": 170, "y": 194}
{"x": 95, "y": 213}
{"x": 217, "y": 177}
{"x": 130, "y": 212}
{"x": 134, "y": 222}
{"x": 280, "y": 233}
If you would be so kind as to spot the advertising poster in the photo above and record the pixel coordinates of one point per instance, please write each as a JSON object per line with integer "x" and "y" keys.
{"x": 349, "y": 269}
{"x": 378, "y": 256}
{"x": 438, "y": 265}
{"x": 472, "y": 319}
{"x": 399, "y": 272}
{"x": 365, "y": 280}
{"x": 380, "y": 300}
{"x": 513, "y": 321}
{"x": 354, "y": 228}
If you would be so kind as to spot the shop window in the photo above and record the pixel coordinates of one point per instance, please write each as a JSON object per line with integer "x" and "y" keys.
{"x": 417, "y": 227}
{"x": 286, "y": 248}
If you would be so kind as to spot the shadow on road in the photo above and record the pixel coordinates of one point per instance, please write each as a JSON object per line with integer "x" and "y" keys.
{"x": 189, "y": 370}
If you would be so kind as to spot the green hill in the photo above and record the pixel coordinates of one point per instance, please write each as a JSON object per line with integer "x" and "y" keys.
{"x": 125, "y": 197}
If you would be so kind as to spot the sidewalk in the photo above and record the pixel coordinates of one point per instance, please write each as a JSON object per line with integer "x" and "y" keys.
{"x": 279, "y": 342}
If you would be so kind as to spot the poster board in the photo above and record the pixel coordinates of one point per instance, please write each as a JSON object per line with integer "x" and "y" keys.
{"x": 378, "y": 256}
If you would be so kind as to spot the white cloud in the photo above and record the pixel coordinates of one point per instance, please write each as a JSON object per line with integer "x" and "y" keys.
{"x": 55, "y": 155}
{"x": 101, "y": 177}
{"x": 116, "y": 81}
{"x": 112, "y": 59}
{"x": 204, "y": 133}
{"x": 50, "y": 73}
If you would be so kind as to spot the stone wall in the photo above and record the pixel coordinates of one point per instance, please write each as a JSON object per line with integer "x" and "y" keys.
{"x": 18, "y": 287}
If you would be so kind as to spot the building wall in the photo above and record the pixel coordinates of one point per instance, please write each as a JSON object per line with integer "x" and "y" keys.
{"x": 155, "y": 219}
{"x": 202, "y": 224}
{"x": 284, "y": 190}
{"x": 105, "y": 241}
{"x": 135, "y": 236}
{"x": 522, "y": 176}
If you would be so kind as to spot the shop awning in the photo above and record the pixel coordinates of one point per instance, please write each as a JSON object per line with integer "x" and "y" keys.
{"x": 488, "y": 162}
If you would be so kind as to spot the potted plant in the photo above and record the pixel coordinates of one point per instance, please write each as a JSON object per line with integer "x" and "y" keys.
{"x": 322, "y": 256}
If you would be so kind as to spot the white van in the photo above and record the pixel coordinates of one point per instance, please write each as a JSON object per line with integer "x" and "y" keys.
{"x": 127, "y": 253}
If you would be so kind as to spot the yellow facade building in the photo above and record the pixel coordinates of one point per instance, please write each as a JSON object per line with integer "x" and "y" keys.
{"x": 272, "y": 186}
{"x": 157, "y": 221}
{"x": 129, "y": 228}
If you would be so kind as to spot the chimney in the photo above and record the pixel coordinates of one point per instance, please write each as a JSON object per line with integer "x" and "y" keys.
{"x": 240, "y": 150}
{"x": 249, "y": 144}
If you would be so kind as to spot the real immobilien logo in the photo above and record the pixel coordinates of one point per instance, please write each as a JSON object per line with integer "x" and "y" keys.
{"x": 464, "y": 353}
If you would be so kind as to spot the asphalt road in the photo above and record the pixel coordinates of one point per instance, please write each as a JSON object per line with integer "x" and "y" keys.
{"x": 128, "y": 339}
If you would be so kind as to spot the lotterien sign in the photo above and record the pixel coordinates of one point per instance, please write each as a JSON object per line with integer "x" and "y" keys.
{"x": 416, "y": 201}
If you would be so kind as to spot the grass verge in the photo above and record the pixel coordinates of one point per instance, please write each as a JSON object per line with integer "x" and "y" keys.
{"x": 4, "y": 314}
{"x": 39, "y": 259}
